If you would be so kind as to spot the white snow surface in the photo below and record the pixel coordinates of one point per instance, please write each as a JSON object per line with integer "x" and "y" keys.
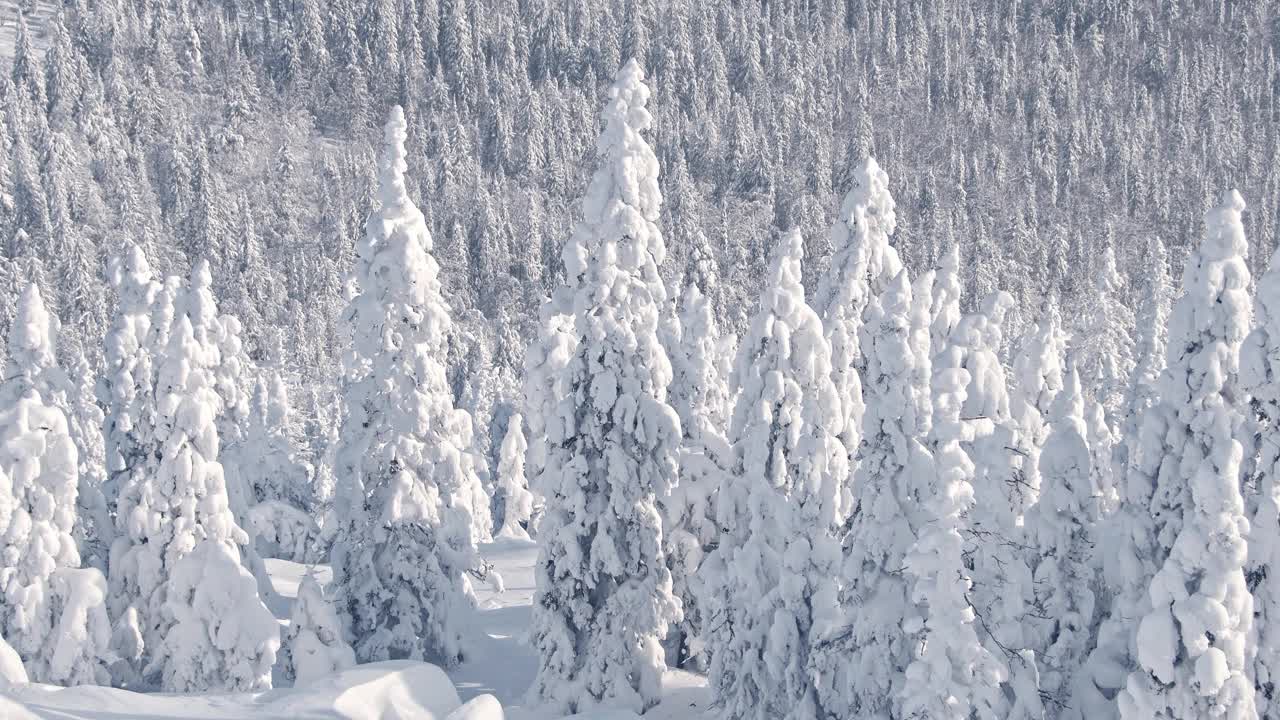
{"x": 489, "y": 685}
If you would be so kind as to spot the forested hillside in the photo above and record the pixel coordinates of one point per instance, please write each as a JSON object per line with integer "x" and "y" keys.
{"x": 1032, "y": 135}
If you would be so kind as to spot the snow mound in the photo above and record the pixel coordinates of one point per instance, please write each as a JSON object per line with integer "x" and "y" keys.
{"x": 484, "y": 707}
{"x": 392, "y": 690}
{"x": 12, "y": 710}
{"x": 12, "y": 671}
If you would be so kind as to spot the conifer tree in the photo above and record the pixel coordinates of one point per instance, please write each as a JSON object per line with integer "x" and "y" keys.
{"x": 861, "y": 658}
{"x": 1037, "y": 380}
{"x": 51, "y": 612}
{"x": 275, "y": 470}
{"x": 36, "y": 369}
{"x": 406, "y": 538}
{"x": 862, "y": 264}
{"x": 1149, "y": 353}
{"x": 1105, "y": 348}
{"x": 1002, "y": 580}
{"x": 700, "y": 395}
{"x": 1061, "y": 539}
{"x": 124, "y": 387}
{"x": 517, "y": 500}
{"x": 1259, "y": 374}
{"x": 543, "y": 385}
{"x": 777, "y": 557}
{"x": 313, "y": 643}
{"x": 604, "y": 597}
{"x": 951, "y": 675}
{"x": 1196, "y": 622}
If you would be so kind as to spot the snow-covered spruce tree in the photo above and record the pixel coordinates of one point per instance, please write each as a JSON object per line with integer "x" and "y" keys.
{"x": 276, "y": 469}
{"x": 1037, "y": 379}
{"x": 1060, "y": 540}
{"x": 862, "y": 264}
{"x": 36, "y": 369}
{"x": 277, "y": 476}
{"x": 313, "y": 643}
{"x": 952, "y": 676}
{"x": 860, "y": 656}
{"x": 543, "y": 385}
{"x": 1002, "y": 580}
{"x": 700, "y": 395}
{"x": 777, "y": 557}
{"x": 137, "y": 565}
{"x": 517, "y": 500}
{"x": 232, "y": 373}
{"x": 1260, "y": 377}
{"x": 1149, "y": 353}
{"x": 1103, "y": 346}
{"x": 406, "y": 540}
{"x": 95, "y": 528}
{"x": 124, "y": 387}
{"x": 1191, "y": 643}
{"x": 944, "y": 308}
{"x": 222, "y": 637}
{"x": 59, "y": 631}
{"x": 207, "y": 594}
{"x": 604, "y": 598}
{"x": 229, "y": 371}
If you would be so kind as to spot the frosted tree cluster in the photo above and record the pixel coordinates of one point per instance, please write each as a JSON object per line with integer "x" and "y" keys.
{"x": 777, "y": 552}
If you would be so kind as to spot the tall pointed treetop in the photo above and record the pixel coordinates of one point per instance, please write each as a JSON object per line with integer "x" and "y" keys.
{"x": 393, "y": 194}
{"x": 31, "y": 338}
{"x": 623, "y": 199}
{"x": 862, "y": 264}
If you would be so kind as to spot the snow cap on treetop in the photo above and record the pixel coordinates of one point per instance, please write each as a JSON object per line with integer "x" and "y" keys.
{"x": 1069, "y": 402}
{"x": 627, "y": 159}
{"x": 32, "y": 332}
{"x": 130, "y": 264}
{"x": 787, "y": 259}
{"x": 1224, "y": 233}
{"x": 392, "y": 193}
{"x": 869, "y": 204}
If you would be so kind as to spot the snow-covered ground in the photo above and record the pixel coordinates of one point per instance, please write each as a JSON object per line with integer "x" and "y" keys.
{"x": 498, "y": 670}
